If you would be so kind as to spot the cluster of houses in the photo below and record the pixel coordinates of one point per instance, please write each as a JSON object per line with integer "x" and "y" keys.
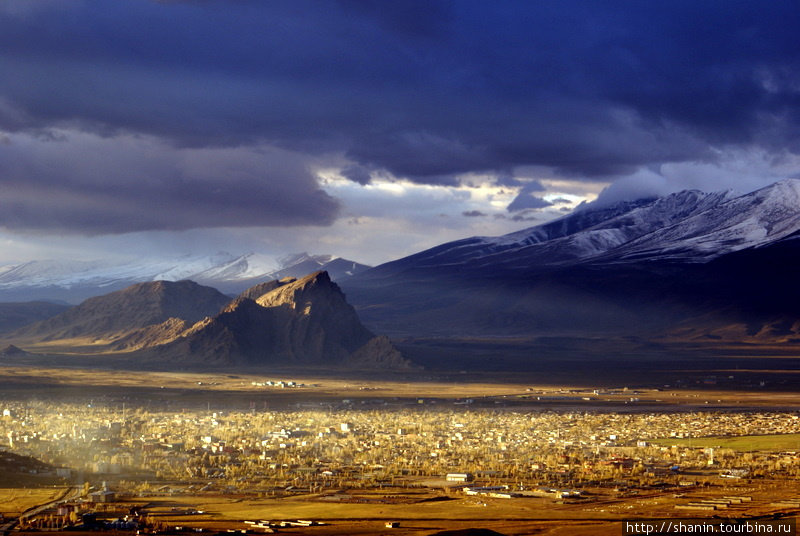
{"x": 304, "y": 450}
{"x": 281, "y": 384}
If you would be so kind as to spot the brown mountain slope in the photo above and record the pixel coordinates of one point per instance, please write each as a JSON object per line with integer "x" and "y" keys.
{"x": 302, "y": 322}
{"x": 152, "y": 335}
{"x": 259, "y": 290}
{"x": 118, "y": 313}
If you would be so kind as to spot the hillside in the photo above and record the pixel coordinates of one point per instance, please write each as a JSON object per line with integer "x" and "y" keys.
{"x": 291, "y": 322}
{"x": 113, "y": 315}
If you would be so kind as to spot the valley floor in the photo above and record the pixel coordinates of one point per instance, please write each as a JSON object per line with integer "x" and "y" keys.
{"x": 353, "y": 451}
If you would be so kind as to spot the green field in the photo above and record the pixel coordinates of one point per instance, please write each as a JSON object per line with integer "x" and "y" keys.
{"x": 772, "y": 443}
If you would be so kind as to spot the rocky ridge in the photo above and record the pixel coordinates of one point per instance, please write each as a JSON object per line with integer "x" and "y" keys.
{"x": 289, "y": 322}
{"x": 303, "y": 321}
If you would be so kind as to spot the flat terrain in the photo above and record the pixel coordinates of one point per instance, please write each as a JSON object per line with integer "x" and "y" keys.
{"x": 522, "y": 516}
{"x": 16, "y": 500}
{"x": 234, "y": 389}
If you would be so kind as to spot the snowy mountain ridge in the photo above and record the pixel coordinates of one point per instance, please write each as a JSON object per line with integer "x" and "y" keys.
{"x": 52, "y": 279}
{"x": 751, "y": 220}
{"x": 690, "y": 266}
{"x": 686, "y": 226}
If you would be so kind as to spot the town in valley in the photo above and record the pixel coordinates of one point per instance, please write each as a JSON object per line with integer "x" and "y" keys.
{"x": 330, "y": 455}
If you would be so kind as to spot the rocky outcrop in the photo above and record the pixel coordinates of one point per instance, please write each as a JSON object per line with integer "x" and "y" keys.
{"x": 378, "y": 352}
{"x": 259, "y": 290}
{"x": 294, "y": 322}
{"x": 12, "y": 351}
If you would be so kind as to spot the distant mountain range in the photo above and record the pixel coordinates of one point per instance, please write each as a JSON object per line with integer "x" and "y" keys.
{"x": 672, "y": 274}
{"x": 74, "y": 281}
{"x": 689, "y": 266}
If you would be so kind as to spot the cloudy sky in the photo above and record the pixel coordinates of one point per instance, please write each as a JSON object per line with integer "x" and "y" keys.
{"x": 373, "y": 129}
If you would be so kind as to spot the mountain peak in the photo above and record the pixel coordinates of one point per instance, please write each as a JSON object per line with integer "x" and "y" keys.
{"x": 297, "y": 321}
{"x": 12, "y": 351}
{"x": 786, "y": 191}
{"x": 134, "y": 307}
{"x": 297, "y": 258}
{"x": 298, "y": 291}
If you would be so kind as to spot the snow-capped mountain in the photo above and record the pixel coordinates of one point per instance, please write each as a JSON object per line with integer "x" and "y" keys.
{"x": 74, "y": 281}
{"x": 688, "y": 226}
{"x": 639, "y": 267}
{"x": 752, "y": 220}
{"x": 104, "y": 273}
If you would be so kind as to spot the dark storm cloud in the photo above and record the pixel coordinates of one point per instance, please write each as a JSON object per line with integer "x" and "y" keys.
{"x": 357, "y": 174}
{"x": 474, "y": 214}
{"x": 90, "y": 185}
{"x": 526, "y": 199}
{"x": 424, "y": 90}
{"x": 524, "y": 216}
